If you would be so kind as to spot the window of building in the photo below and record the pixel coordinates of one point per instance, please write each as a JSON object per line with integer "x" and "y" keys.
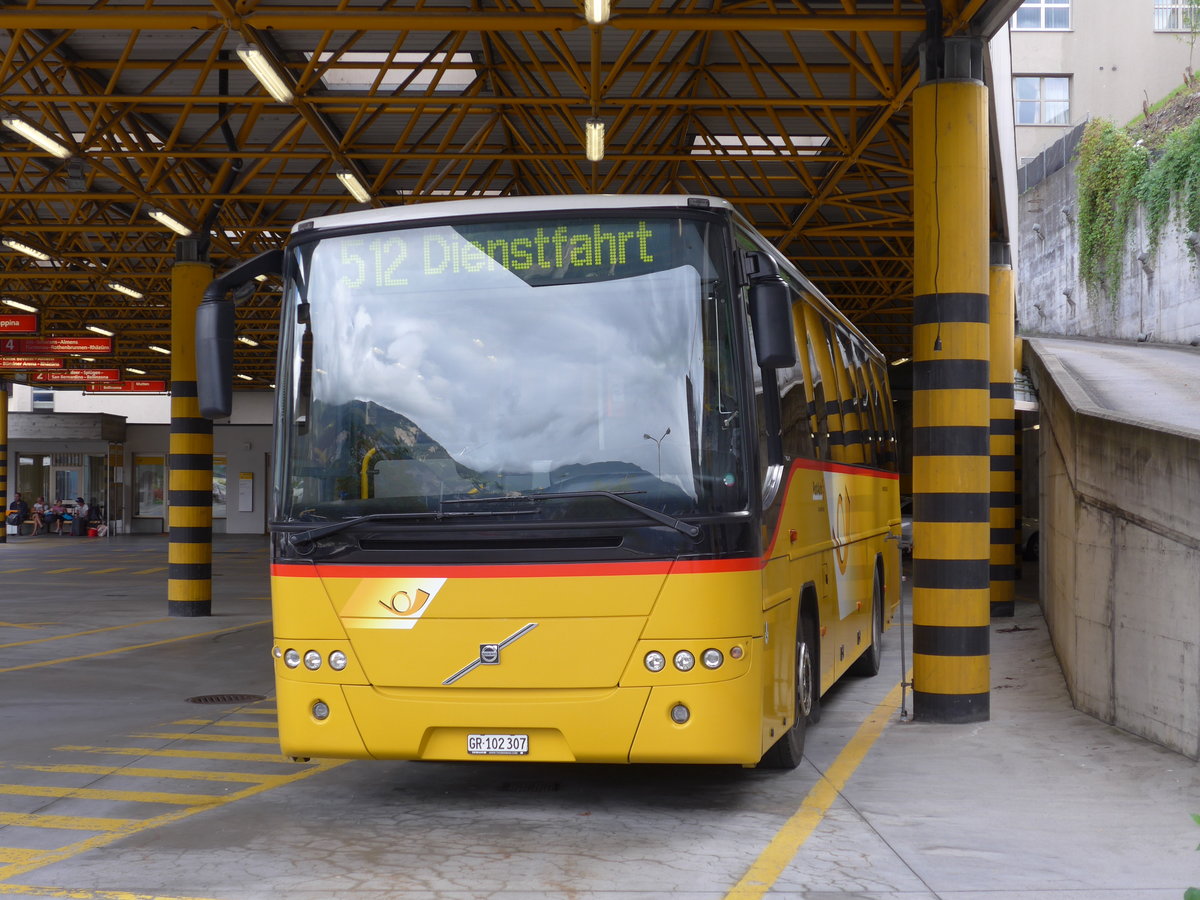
{"x": 1044, "y": 15}
{"x": 149, "y": 473}
{"x": 1176, "y": 15}
{"x": 1042, "y": 99}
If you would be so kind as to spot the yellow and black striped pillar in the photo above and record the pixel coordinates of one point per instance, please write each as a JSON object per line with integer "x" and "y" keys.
{"x": 1003, "y": 434}
{"x": 951, "y": 483}
{"x": 4, "y": 456}
{"x": 189, "y": 462}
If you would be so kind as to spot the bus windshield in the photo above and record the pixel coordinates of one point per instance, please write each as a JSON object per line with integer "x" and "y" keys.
{"x": 445, "y": 369}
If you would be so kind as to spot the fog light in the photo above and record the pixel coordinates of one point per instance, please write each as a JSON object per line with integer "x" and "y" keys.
{"x": 337, "y": 660}
{"x": 291, "y": 659}
{"x": 312, "y": 660}
{"x": 655, "y": 661}
{"x": 735, "y": 652}
{"x": 320, "y": 710}
{"x": 712, "y": 658}
{"x": 277, "y": 652}
{"x": 680, "y": 713}
{"x": 684, "y": 661}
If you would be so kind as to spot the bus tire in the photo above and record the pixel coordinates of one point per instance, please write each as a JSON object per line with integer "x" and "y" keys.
{"x": 788, "y": 751}
{"x": 867, "y": 665}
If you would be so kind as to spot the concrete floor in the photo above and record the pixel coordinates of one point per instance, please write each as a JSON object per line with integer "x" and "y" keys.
{"x": 114, "y": 787}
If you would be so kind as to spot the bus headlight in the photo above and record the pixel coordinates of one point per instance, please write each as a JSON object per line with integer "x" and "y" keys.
{"x": 312, "y": 660}
{"x": 291, "y": 659}
{"x": 655, "y": 661}
{"x": 684, "y": 660}
{"x": 337, "y": 660}
{"x": 320, "y": 710}
{"x": 712, "y": 658}
{"x": 680, "y": 714}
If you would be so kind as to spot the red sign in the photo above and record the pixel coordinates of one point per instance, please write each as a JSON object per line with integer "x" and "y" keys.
{"x": 18, "y": 323}
{"x": 76, "y": 376}
{"x": 57, "y": 345}
{"x": 128, "y": 387}
{"x": 23, "y": 363}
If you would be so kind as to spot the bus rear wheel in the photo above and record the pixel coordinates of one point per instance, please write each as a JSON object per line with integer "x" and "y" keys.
{"x": 788, "y": 751}
{"x": 867, "y": 665}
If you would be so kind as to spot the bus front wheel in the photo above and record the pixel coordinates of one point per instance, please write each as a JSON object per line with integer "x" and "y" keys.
{"x": 788, "y": 751}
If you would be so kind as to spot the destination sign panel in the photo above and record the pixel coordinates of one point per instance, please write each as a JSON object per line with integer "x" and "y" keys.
{"x": 76, "y": 376}
{"x": 26, "y": 363}
{"x": 18, "y": 323}
{"x": 128, "y": 387}
{"x": 57, "y": 345}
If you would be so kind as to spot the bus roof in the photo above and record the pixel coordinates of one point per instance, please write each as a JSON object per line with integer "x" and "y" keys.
{"x": 511, "y": 205}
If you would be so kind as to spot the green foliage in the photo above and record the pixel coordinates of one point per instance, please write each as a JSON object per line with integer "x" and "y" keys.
{"x": 1175, "y": 175}
{"x": 1110, "y": 167}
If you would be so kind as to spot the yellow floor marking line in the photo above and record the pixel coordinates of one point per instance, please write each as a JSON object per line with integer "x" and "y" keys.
{"x": 67, "y": 569}
{"x": 226, "y": 723}
{"x": 14, "y": 571}
{"x": 185, "y": 637}
{"x": 79, "y": 793}
{"x": 73, "y": 634}
{"x": 72, "y": 823}
{"x": 77, "y": 894}
{"x": 214, "y": 738}
{"x": 183, "y": 754}
{"x": 18, "y": 854}
{"x": 149, "y": 571}
{"x": 779, "y": 853}
{"x": 259, "y": 710}
{"x": 144, "y": 772}
{"x": 106, "y": 571}
{"x": 29, "y": 625}
{"x": 132, "y": 827}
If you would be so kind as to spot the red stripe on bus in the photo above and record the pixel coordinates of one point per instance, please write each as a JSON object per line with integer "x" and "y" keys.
{"x": 538, "y": 570}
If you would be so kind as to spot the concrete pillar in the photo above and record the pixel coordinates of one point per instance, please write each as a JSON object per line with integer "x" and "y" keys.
{"x": 4, "y": 456}
{"x": 951, "y": 466}
{"x": 1003, "y": 433}
{"x": 189, "y": 462}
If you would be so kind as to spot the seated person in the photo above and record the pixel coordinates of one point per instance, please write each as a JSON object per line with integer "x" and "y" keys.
{"x": 18, "y": 511}
{"x": 54, "y": 517}
{"x": 39, "y": 515}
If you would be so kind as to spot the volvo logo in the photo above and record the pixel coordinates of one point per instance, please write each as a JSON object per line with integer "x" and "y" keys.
{"x": 489, "y": 654}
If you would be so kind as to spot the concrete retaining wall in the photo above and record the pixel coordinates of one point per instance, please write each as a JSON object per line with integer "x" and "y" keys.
{"x": 1158, "y": 299}
{"x": 1120, "y": 558}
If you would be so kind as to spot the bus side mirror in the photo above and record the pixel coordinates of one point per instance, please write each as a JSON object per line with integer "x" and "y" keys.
{"x": 215, "y": 332}
{"x": 770, "y": 313}
{"x": 214, "y": 358}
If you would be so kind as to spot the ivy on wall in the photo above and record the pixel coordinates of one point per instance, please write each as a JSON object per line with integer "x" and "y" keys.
{"x": 1114, "y": 175}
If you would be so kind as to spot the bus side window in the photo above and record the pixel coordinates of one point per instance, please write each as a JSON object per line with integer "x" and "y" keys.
{"x": 797, "y": 436}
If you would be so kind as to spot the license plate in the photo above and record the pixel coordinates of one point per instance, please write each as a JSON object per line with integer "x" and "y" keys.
{"x": 498, "y": 744}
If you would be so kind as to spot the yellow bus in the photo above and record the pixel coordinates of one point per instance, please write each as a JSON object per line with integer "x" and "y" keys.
{"x": 594, "y": 479}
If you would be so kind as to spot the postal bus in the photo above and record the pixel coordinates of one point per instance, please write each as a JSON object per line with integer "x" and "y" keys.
{"x": 596, "y": 479}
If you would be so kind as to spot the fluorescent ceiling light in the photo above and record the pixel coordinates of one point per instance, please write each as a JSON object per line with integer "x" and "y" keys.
{"x": 88, "y": 358}
{"x": 249, "y": 342}
{"x": 360, "y": 71}
{"x": 135, "y": 371}
{"x": 595, "y": 11}
{"x": 244, "y": 377}
{"x": 901, "y": 361}
{"x": 354, "y": 186}
{"x": 170, "y": 221}
{"x": 757, "y": 145}
{"x": 99, "y": 330}
{"x": 24, "y": 248}
{"x": 37, "y": 136}
{"x": 258, "y": 63}
{"x": 593, "y": 132}
{"x": 157, "y": 349}
{"x": 127, "y": 291}
{"x": 17, "y": 304}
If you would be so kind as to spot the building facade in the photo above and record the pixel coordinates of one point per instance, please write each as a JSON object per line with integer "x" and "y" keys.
{"x": 1074, "y": 60}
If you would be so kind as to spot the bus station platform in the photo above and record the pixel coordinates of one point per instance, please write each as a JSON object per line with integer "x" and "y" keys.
{"x": 138, "y": 760}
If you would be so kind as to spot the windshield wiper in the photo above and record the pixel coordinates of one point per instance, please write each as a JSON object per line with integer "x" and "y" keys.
{"x": 692, "y": 531}
{"x": 302, "y": 533}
